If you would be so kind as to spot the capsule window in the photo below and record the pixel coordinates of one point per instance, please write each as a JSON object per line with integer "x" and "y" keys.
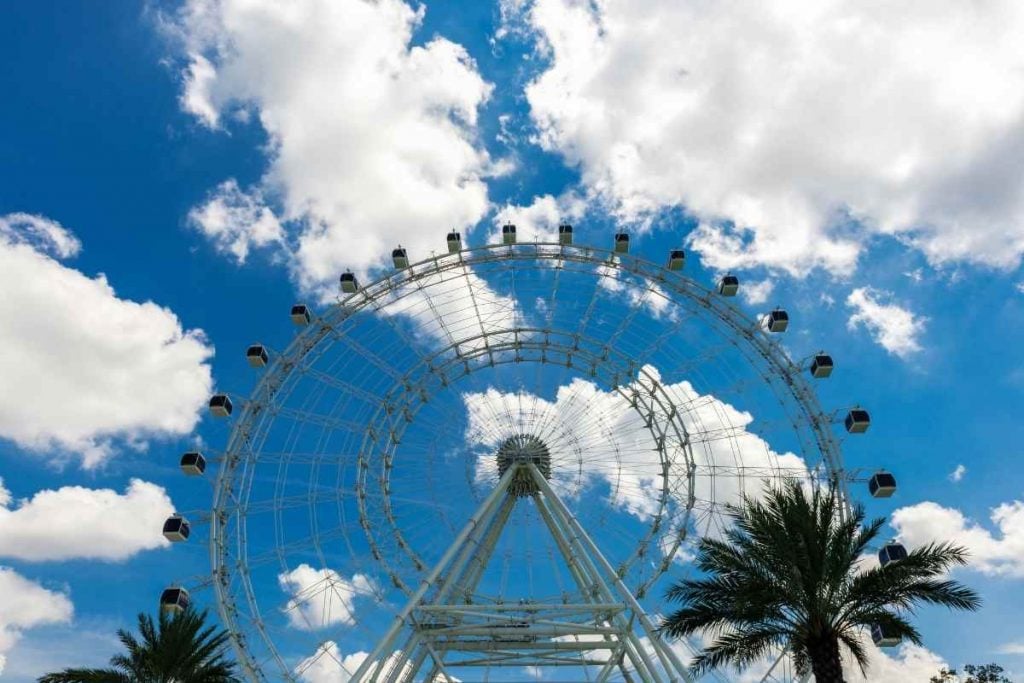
{"x": 821, "y": 366}
{"x": 176, "y": 529}
{"x": 883, "y": 637}
{"x": 565, "y": 234}
{"x": 257, "y": 356}
{"x": 508, "y": 233}
{"x": 882, "y": 485}
{"x": 300, "y": 314}
{"x": 621, "y": 243}
{"x": 193, "y": 463}
{"x": 220, "y": 405}
{"x": 857, "y": 421}
{"x": 778, "y": 320}
{"x": 729, "y": 285}
{"x": 892, "y": 552}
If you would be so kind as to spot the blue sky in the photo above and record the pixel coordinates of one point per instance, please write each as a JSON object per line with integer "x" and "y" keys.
{"x": 886, "y": 214}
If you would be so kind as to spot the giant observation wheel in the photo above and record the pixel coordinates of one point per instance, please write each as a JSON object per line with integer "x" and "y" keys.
{"x": 490, "y": 463}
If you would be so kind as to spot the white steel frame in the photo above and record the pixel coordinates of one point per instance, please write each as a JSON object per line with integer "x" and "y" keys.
{"x": 228, "y": 546}
{"x": 600, "y": 630}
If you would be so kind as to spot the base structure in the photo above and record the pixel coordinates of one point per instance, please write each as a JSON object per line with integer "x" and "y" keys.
{"x": 441, "y": 632}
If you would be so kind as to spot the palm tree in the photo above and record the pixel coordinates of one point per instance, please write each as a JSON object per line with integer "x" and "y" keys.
{"x": 787, "y": 575}
{"x": 177, "y": 649}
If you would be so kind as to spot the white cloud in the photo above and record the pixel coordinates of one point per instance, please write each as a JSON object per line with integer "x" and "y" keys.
{"x": 539, "y": 220}
{"x": 534, "y": 672}
{"x": 1011, "y": 649}
{"x": 328, "y": 665}
{"x": 321, "y": 597}
{"x": 42, "y": 234}
{"x": 25, "y": 604}
{"x": 373, "y": 140}
{"x": 82, "y": 367}
{"x": 196, "y": 98}
{"x": 780, "y": 126}
{"x": 757, "y": 292}
{"x": 908, "y": 662}
{"x": 601, "y": 424}
{"x": 452, "y": 307}
{"x": 893, "y": 327}
{"x": 236, "y": 221}
{"x": 637, "y": 291}
{"x": 82, "y": 644}
{"x": 956, "y": 475}
{"x": 995, "y": 554}
{"x": 76, "y": 522}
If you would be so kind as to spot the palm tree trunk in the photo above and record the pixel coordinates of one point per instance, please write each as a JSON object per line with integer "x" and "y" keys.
{"x": 825, "y": 660}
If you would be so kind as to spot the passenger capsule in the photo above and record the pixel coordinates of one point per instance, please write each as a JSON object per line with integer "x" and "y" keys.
{"x": 729, "y": 285}
{"x": 220, "y": 405}
{"x": 676, "y": 259}
{"x": 621, "y": 243}
{"x": 857, "y": 421}
{"x": 778, "y": 320}
{"x": 454, "y": 242}
{"x": 301, "y": 315}
{"x": 821, "y": 366}
{"x": 349, "y": 284}
{"x": 176, "y": 529}
{"x": 193, "y": 463}
{"x": 883, "y": 637}
{"x": 174, "y": 600}
{"x": 508, "y": 233}
{"x": 257, "y": 356}
{"x": 565, "y": 234}
{"x": 891, "y": 552}
{"x": 400, "y": 258}
{"x": 882, "y": 485}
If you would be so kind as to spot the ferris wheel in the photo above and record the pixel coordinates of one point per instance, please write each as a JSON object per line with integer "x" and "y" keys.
{"x": 489, "y": 465}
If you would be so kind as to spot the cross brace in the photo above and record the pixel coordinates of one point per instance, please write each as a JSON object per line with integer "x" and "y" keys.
{"x": 601, "y": 625}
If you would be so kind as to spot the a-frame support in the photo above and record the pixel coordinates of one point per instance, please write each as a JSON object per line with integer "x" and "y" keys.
{"x": 602, "y": 626}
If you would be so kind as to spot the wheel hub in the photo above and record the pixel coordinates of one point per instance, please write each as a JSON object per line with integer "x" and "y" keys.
{"x": 523, "y": 449}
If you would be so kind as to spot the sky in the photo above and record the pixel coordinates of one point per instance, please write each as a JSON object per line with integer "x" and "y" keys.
{"x": 173, "y": 176}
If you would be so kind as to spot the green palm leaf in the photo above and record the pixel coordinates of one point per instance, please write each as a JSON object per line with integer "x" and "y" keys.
{"x": 175, "y": 648}
{"x": 786, "y": 574}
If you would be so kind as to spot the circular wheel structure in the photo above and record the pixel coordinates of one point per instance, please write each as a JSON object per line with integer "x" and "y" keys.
{"x": 493, "y": 461}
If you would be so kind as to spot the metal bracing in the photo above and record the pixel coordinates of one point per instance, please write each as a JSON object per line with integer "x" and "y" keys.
{"x": 594, "y": 627}
{"x": 337, "y": 401}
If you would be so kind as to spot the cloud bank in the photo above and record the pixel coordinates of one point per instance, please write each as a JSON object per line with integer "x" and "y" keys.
{"x": 84, "y": 369}
{"x": 372, "y": 139}
{"x": 793, "y": 133}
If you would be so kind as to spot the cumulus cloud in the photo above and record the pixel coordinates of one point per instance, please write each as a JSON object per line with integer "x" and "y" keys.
{"x": 73, "y": 522}
{"x": 793, "y": 134}
{"x": 601, "y": 424}
{"x": 538, "y": 221}
{"x": 908, "y": 662}
{"x": 893, "y": 327}
{"x": 757, "y": 292}
{"x": 328, "y": 665}
{"x": 321, "y": 597}
{"x": 1011, "y": 649}
{"x": 42, "y": 234}
{"x": 956, "y": 475}
{"x": 83, "y": 368}
{"x": 24, "y": 604}
{"x": 998, "y": 553}
{"x": 236, "y": 221}
{"x": 373, "y": 140}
